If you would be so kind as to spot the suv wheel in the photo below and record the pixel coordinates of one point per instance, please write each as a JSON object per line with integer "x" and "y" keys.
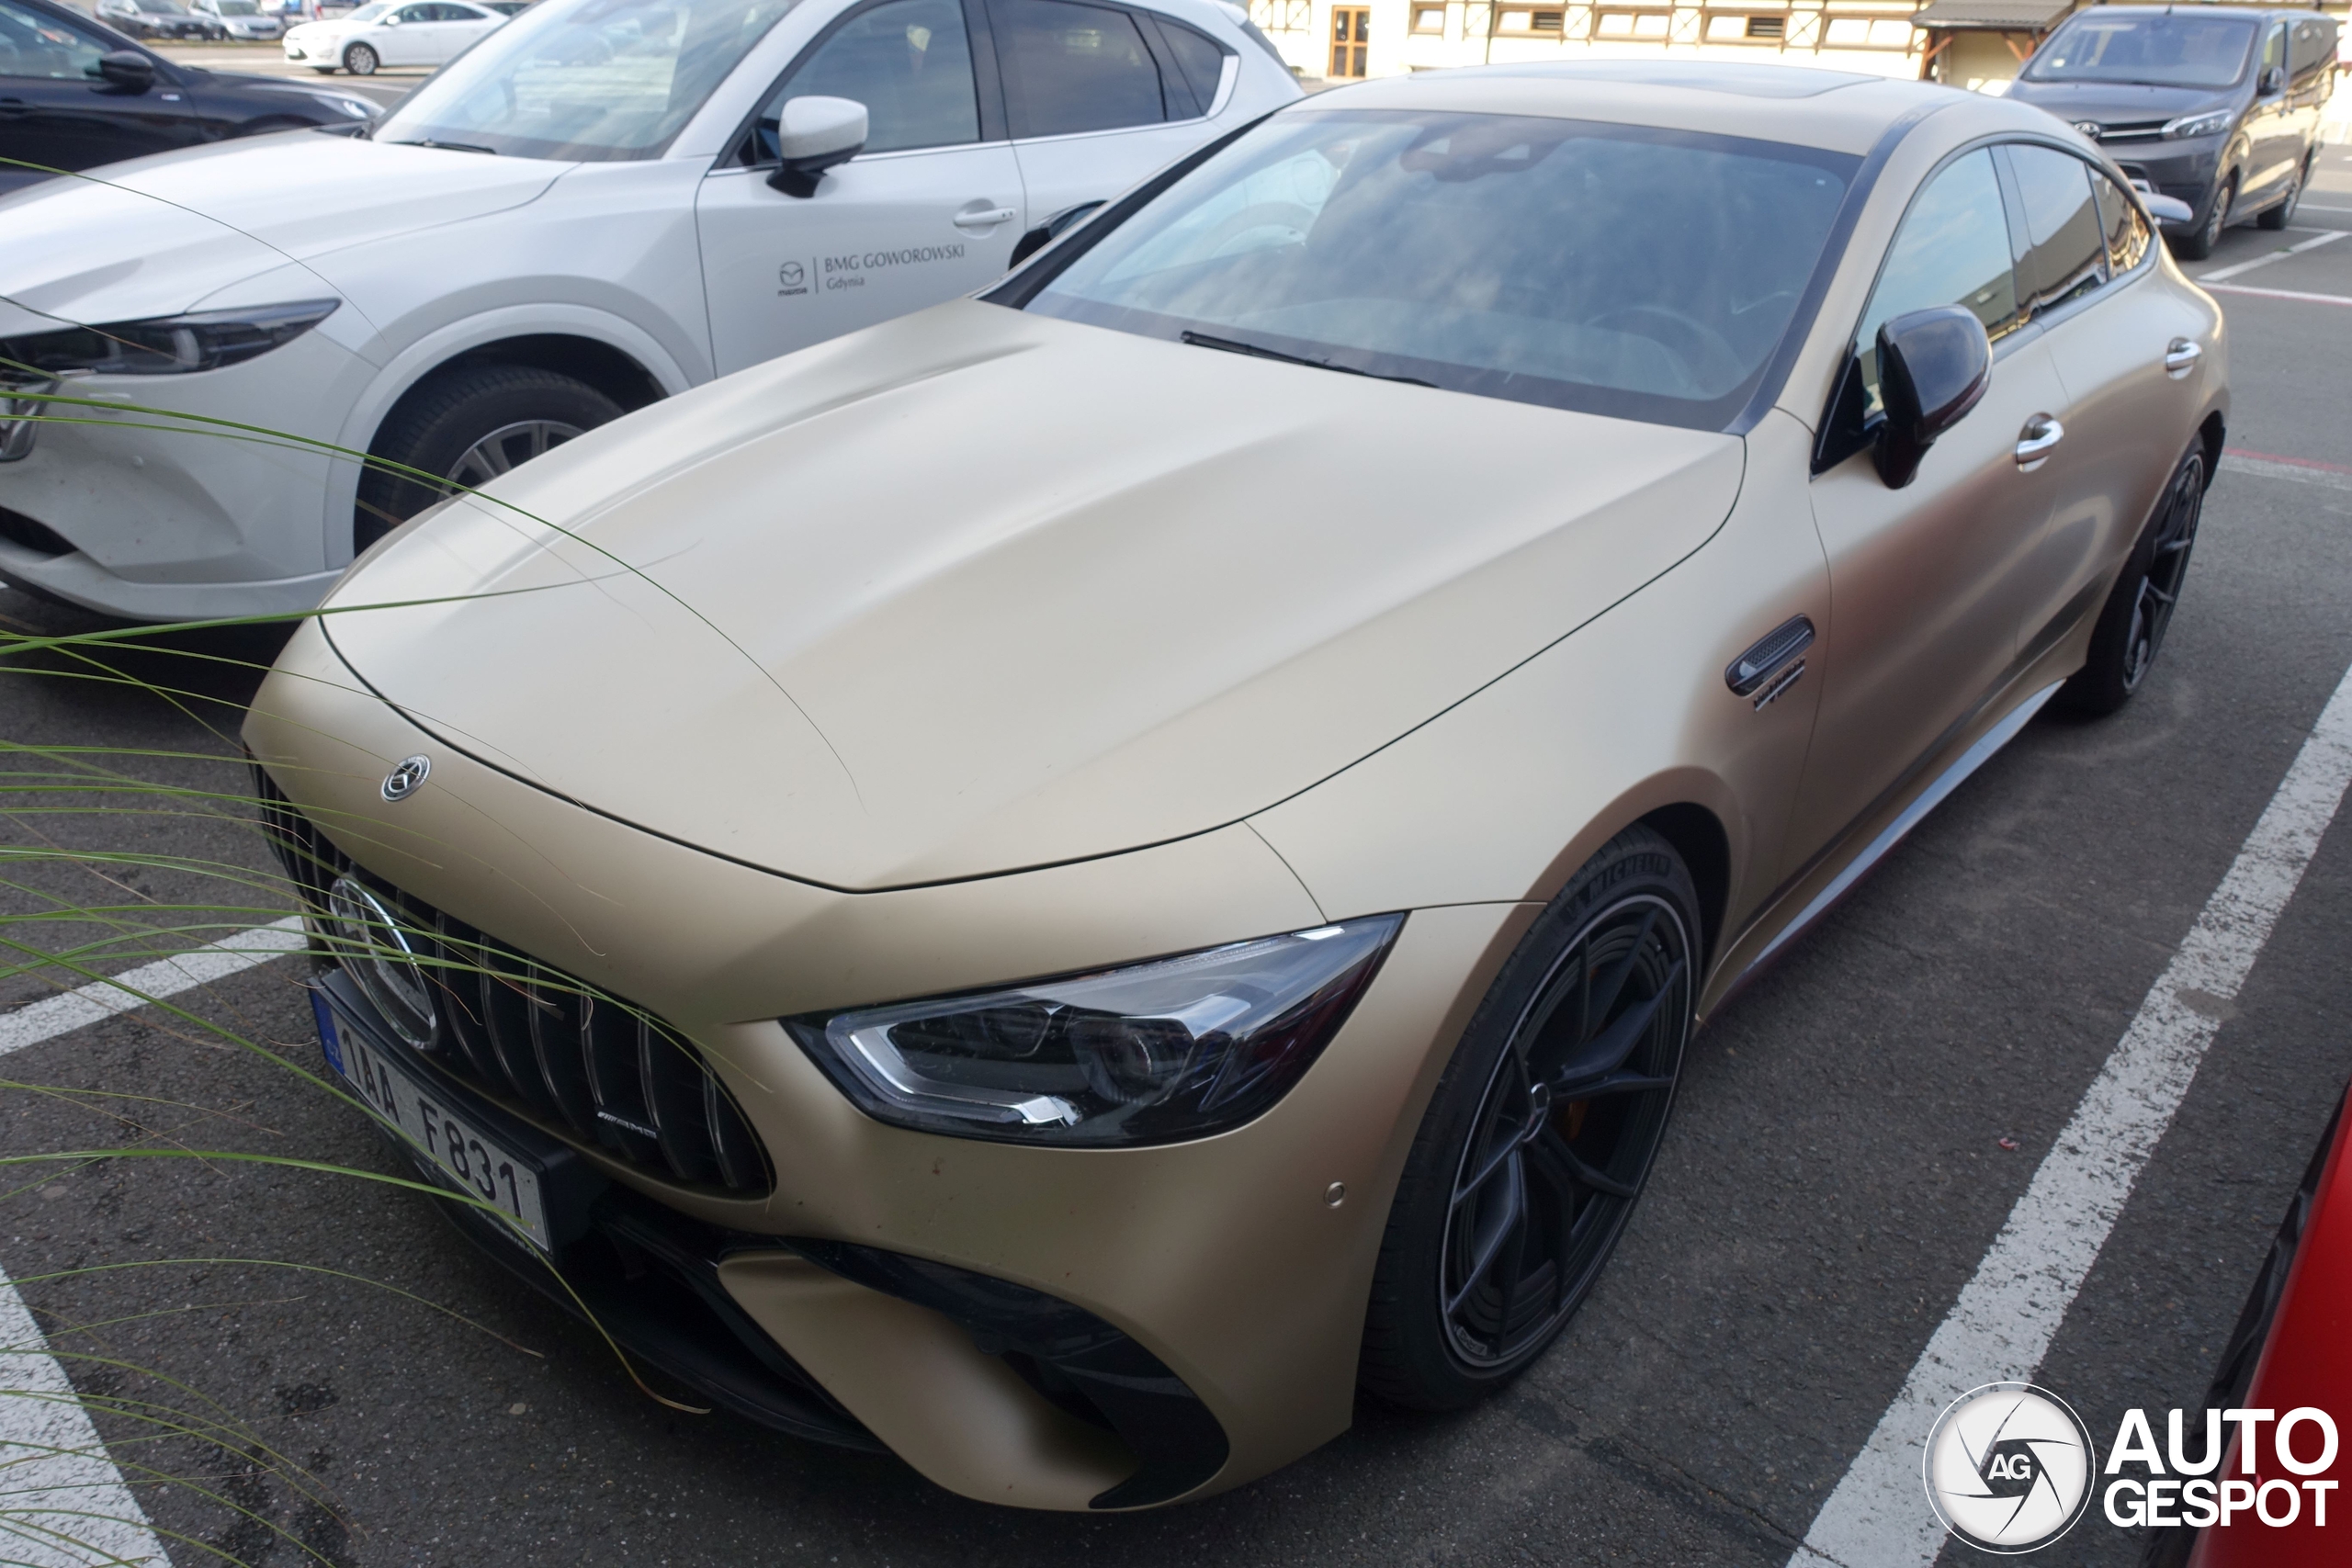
{"x": 2278, "y": 216}
{"x": 2197, "y": 246}
{"x": 466, "y": 427}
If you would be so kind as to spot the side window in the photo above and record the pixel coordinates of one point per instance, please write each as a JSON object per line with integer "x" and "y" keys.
{"x": 1071, "y": 68}
{"x": 34, "y": 45}
{"x": 419, "y": 14}
{"x": 909, "y": 61}
{"x": 2274, "y": 51}
{"x": 2063, "y": 252}
{"x": 1200, "y": 62}
{"x": 2127, "y": 232}
{"x": 1952, "y": 249}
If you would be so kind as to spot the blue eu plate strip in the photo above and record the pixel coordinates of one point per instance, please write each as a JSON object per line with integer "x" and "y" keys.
{"x": 327, "y": 1041}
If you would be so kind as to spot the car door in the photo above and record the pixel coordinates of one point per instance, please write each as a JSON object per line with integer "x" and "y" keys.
{"x": 2130, "y": 358}
{"x": 929, "y": 211}
{"x": 1928, "y": 584}
{"x": 1099, "y": 96}
{"x": 406, "y": 36}
{"x": 55, "y": 111}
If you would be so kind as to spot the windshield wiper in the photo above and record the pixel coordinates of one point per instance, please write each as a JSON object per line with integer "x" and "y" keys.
{"x": 1259, "y": 351}
{"x": 445, "y": 146}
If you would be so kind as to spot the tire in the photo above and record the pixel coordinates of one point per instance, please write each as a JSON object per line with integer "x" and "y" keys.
{"x": 360, "y": 60}
{"x": 1514, "y": 1197}
{"x": 2138, "y": 608}
{"x": 468, "y": 426}
{"x": 2277, "y": 217}
{"x": 2197, "y": 246}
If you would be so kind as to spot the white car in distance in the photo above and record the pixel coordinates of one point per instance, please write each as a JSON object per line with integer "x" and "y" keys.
{"x": 584, "y": 214}
{"x": 423, "y": 32}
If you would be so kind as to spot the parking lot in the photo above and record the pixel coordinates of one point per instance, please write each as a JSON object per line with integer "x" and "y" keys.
{"x": 387, "y": 86}
{"x": 1852, "y": 1132}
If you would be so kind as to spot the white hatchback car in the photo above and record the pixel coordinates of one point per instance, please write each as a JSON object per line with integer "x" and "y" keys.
{"x": 585, "y": 214}
{"x": 423, "y": 32}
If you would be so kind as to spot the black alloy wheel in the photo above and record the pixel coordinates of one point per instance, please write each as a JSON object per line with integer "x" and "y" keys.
{"x": 2197, "y": 246}
{"x": 1539, "y": 1138}
{"x": 2138, "y": 609}
{"x": 360, "y": 60}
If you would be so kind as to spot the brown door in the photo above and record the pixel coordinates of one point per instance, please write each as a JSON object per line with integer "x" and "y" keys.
{"x": 1350, "y": 24}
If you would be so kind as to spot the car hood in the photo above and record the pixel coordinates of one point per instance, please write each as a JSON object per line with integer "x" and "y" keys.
{"x": 2113, "y": 101}
{"x": 156, "y": 235}
{"x": 978, "y": 590}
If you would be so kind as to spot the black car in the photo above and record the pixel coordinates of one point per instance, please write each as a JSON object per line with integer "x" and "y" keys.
{"x": 75, "y": 93}
{"x": 2216, "y": 105}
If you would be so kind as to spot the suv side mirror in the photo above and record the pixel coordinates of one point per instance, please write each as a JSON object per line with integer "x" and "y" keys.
{"x": 1933, "y": 367}
{"x": 2272, "y": 80}
{"x": 812, "y": 134}
{"x": 127, "y": 69}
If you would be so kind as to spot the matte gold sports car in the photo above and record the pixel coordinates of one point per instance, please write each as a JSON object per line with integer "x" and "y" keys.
{"x": 1061, "y": 883}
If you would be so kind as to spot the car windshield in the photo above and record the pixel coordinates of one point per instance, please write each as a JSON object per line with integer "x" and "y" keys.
{"x": 591, "y": 80}
{"x": 236, "y": 9}
{"x": 1642, "y": 273}
{"x": 2174, "y": 49}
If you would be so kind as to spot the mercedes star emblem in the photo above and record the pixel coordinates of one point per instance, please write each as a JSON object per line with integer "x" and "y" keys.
{"x": 407, "y": 778}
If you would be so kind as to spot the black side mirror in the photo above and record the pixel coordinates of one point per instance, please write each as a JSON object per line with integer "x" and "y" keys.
{"x": 127, "y": 69}
{"x": 813, "y": 134}
{"x": 1052, "y": 229}
{"x": 1933, "y": 367}
{"x": 2272, "y": 80}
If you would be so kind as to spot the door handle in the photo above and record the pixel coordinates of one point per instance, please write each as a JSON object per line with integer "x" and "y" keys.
{"x": 984, "y": 217}
{"x": 2181, "y": 357}
{"x": 2038, "y": 440}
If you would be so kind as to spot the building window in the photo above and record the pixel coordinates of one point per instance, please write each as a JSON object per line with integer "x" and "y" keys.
{"x": 1859, "y": 32}
{"x": 1630, "y": 24}
{"x": 1428, "y": 19}
{"x": 1741, "y": 27}
{"x": 1514, "y": 19}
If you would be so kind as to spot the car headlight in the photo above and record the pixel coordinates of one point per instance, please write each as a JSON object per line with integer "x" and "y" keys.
{"x": 2210, "y": 124}
{"x": 1152, "y": 1052}
{"x": 167, "y": 346}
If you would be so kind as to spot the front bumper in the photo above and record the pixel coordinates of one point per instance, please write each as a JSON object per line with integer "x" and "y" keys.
{"x": 2187, "y": 170}
{"x": 165, "y": 520}
{"x": 1223, "y": 1261}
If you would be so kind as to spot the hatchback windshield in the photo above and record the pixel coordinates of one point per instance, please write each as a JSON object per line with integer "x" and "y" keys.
{"x": 1642, "y": 273}
{"x": 2172, "y": 50}
{"x": 593, "y": 80}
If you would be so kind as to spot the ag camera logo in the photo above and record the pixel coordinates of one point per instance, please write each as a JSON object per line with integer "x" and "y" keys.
{"x": 2008, "y": 1468}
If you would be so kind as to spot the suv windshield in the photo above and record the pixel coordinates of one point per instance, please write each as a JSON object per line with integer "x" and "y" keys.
{"x": 2172, "y": 50}
{"x": 1647, "y": 274}
{"x": 591, "y": 79}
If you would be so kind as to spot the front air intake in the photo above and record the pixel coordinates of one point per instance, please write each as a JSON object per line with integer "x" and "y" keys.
{"x": 581, "y": 1063}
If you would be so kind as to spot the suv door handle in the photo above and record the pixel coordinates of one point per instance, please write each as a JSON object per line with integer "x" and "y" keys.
{"x": 2181, "y": 357}
{"x": 983, "y": 217}
{"x": 2038, "y": 440}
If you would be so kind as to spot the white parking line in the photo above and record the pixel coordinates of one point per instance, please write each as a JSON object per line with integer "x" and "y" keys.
{"x": 63, "y": 1501}
{"x": 2279, "y": 294}
{"x": 2328, "y": 238}
{"x": 2272, "y": 469}
{"x": 2007, "y": 1315}
{"x": 68, "y": 1010}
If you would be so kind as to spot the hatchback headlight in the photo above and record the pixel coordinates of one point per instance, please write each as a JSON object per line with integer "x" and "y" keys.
{"x": 2212, "y": 124}
{"x": 165, "y": 345}
{"x": 1151, "y": 1053}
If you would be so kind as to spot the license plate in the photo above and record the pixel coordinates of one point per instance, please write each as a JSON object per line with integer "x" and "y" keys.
{"x": 474, "y": 1161}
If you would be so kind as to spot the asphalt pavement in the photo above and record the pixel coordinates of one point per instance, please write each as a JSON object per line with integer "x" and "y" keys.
{"x": 1851, "y": 1133}
{"x": 387, "y": 86}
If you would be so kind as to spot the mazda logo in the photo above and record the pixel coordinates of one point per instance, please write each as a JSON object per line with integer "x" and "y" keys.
{"x": 407, "y": 778}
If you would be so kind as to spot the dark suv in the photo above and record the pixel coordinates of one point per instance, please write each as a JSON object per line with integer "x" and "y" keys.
{"x": 2216, "y": 104}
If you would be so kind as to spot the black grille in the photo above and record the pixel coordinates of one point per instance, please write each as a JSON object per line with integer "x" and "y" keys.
{"x": 577, "y": 1060}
